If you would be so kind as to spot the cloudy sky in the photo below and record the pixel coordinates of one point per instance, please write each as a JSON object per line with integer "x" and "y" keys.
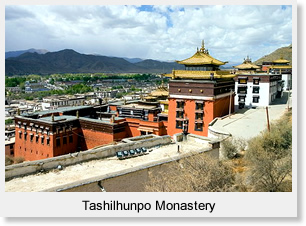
{"x": 155, "y": 32}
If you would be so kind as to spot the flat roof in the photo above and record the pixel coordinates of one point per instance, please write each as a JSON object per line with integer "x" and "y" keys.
{"x": 139, "y": 106}
{"x": 101, "y": 167}
{"x": 60, "y": 109}
{"x": 57, "y": 118}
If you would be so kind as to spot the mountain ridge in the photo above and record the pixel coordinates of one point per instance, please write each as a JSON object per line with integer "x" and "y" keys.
{"x": 70, "y": 61}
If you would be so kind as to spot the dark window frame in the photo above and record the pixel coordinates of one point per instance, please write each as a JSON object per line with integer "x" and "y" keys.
{"x": 177, "y": 126}
{"x": 58, "y": 142}
{"x": 242, "y": 90}
{"x": 241, "y": 98}
{"x": 70, "y": 138}
{"x": 255, "y": 99}
{"x": 64, "y": 139}
{"x": 196, "y": 128}
{"x": 245, "y": 80}
{"x": 256, "y": 89}
{"x": 256, "y": 81}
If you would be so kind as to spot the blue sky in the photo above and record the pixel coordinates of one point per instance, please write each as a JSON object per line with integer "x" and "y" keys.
{"x": 157, "y": 32}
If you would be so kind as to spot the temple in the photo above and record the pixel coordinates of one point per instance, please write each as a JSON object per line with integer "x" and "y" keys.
{"x": 199, "y": 94}
{"x": 247, "y": 66}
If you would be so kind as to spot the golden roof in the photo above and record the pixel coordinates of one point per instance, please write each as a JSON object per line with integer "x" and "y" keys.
{"x": 247, "y": 64}
{"x": 281, "y": 66}
{"x": 200, "y": 74}
{"x": 281, "y": 61}
{"x": 161, "y": 91}
{"x": 201, "y": 57}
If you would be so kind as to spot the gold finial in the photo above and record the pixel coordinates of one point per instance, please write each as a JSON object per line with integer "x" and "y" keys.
{"x": 52, "y": 117}
{"x": 202, "y": 48}
{"x": 77, "y": 114}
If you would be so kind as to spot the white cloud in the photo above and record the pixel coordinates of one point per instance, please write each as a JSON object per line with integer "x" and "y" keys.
{"x": 160, "y": 32}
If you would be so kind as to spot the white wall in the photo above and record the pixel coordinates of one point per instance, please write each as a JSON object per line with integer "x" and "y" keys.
{"x": 264, "y": 93}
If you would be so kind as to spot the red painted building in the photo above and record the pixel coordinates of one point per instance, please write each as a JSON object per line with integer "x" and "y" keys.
{"x": 52, "y": 133}
{"x": 199, "y": 94}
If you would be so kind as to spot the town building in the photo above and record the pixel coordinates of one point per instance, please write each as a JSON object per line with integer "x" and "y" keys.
{"x": 254, "y": 89}
{"x": 56, "y": 101}
{"x": 199, "y": 94}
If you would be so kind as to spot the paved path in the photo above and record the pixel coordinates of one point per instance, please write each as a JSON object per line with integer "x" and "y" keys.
{"x": 248, "y": 123}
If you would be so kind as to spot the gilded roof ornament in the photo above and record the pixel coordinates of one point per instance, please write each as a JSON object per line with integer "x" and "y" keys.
{"x": 202, "y": 48}
{"x": 201, "y": 57}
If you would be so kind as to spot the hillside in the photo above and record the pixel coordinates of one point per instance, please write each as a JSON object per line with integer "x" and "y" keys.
{"x": 19, "y": 52}
{"x": 70, "y": 61}
{"x": 285, "y": 52}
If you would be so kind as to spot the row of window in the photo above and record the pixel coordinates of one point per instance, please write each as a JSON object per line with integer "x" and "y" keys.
{"x": 31, "y": 151}
{"x": 245, "y": 80}
{"x": 43, "y": 138}
{"x": 244, "y": 89}
{"x": 198, "y": 126}
{"x": 241, "y": 99}
{"x": 198, "y": 106}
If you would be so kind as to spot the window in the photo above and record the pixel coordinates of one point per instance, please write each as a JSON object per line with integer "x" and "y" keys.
{"x": 242, "y": 89}
{"x": 256, "y": 81}
{"x": 37, "y": 138}
{"x": 241, "y": 98}
{"x": 179, "y": 124}
{"x": 25, "y": 135}
{"x": 58, "y": 141}
{"x": 242, "y": 80}
{"x": 20, "y": 136}
{"x": 255, "y": 99}
{"x": 65, "y": 140}
{"x": 31, "y": 137}
{"x": 179, "y": 114}
{"x": 255, "y": 89}
{"x": 48, "y": 141}
{"x": 179, "y": 104}
{"x": 42, "y": 139}
{"x": 198, "y": 126}
{"x": 199, "y": 106}
{"x": 70, "y": 138}
{"x": 199, "y": 116}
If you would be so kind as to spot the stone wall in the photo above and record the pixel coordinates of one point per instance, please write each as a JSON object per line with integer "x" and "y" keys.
{"x": 33, "y": 167}
{"x": 129, "y": 180}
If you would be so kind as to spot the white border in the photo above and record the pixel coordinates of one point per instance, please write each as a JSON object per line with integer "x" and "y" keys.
{"x": 227, "y": 204}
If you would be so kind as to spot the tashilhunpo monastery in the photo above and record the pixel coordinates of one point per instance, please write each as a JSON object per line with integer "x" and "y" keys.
{"x": 129, "y": 140}
{"x": 194, "y": 98}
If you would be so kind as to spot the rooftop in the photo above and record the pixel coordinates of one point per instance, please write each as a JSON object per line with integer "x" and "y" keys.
{"x": 186, "y": 74}
{"x": 247, "y": 64}
{"x": 201, "y": 57}
{"x": 61, "y": 109}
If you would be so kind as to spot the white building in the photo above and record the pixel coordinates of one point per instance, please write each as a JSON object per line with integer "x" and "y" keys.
{"x": 54, "y": 102}
{"x": 257, "y": 89}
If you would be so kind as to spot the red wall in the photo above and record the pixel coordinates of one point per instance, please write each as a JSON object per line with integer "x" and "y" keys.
{"x": 32, "y": 150}
{"x": 212, "y": 109}
{"x": 96, "y": 138}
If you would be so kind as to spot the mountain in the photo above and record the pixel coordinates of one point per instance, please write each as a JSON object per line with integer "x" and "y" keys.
{"x": 163, "y": 67}
{"x": 19, "y": 52}
{"x": 133, "y": 60}
{"x": 70, "y": 61}
{"x": 285, "y": 52}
